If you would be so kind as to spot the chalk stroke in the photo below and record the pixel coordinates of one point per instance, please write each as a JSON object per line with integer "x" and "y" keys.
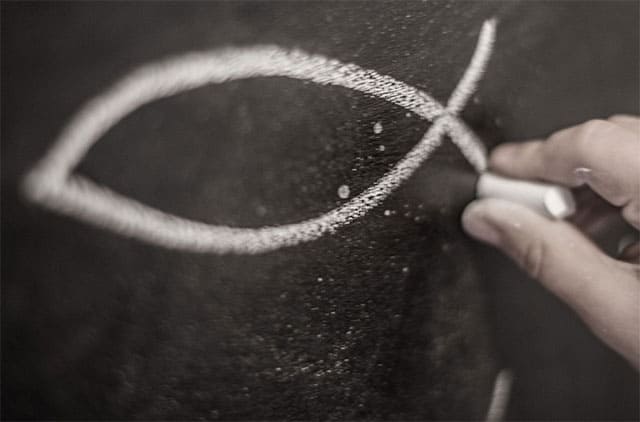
{"x": 52, "y": 184}
{"x": 500, "y": 396}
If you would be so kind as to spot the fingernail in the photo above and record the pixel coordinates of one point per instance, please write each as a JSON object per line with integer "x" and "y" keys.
{"x": 582, "y": 175}
{"x": 476, "y": 224}
{"x": 629, "y": 248}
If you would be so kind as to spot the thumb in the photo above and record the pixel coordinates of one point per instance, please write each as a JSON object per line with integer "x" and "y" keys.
{"x": 551, "y": 251}
{"x": 604, "y": 292}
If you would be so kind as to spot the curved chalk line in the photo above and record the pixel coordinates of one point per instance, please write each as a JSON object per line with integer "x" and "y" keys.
{"x": 500, "y": 396}
{"x": 52, "y": 184}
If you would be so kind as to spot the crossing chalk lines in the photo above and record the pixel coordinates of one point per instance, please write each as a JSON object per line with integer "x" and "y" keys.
{"x": 52, "y": 183}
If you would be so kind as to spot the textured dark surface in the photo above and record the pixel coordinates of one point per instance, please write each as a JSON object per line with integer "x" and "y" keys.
{"x": 398, "y": 317}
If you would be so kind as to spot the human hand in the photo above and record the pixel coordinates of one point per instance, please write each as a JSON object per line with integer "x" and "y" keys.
{"x": 603, "y": 154}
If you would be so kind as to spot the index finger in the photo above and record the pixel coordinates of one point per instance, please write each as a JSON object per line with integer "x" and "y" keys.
{"x": 601, "y": 153}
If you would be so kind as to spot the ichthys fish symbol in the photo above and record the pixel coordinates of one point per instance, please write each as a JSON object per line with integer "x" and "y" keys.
{"x": 53, "y": 184}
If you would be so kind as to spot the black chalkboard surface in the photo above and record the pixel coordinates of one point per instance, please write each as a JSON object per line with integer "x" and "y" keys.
{"x": 397, "y": 315}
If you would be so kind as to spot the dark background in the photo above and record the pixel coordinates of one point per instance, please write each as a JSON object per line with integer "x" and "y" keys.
{"x": 397, "y": 317}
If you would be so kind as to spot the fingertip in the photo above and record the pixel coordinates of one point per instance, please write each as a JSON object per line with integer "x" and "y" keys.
{"x": 491, "y": 220}
{"x": 519, "y": 159}
{"x": 506, "y": 225}
{"x": 475, "y": 222}
{"x": 502, "y": 156}
{"x": 545, "y": 249}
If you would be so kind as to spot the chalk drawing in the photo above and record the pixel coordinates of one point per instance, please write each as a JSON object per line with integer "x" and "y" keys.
{"x": 52, "y": 183}
{"x": 500, "y": 396}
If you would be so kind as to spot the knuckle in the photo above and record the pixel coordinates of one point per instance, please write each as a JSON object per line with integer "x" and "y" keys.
{"x": 619, "y": 116}
{"x": 532, "y": 258}
{"x": 595, "y": 127}
{"x": 593, "y": 130}
{"x": 589, "y": 138}
{"x": 559, "y": 142}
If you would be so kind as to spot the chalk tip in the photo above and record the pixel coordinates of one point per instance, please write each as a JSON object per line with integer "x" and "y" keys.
{"x": 559, "y": 203}
{"x": 553, "y": 201}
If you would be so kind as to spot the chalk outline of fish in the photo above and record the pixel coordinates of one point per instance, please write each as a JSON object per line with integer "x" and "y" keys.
{"x": 53, "y": 184}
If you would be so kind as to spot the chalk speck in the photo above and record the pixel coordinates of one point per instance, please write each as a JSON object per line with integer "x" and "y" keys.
{"x": 377, "y": 128}
{"x": 320, "y": 279}
{"x": 407, "y": 114}
{"x": 387, "y": 212}
{"x": 344, "y": 192}
{"x": 405, "y": 270}
{"x": 381, "y": 148}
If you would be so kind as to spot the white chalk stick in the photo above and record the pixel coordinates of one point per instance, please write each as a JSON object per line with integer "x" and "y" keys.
{"x": 550, "y": 200}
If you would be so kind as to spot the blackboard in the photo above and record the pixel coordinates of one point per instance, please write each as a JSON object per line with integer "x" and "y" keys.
{"x": 397, "y": 315}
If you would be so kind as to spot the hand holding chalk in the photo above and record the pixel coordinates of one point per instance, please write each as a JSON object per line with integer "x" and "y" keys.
{"x": 604, "y": 155}
{"x": 549, "y": 200}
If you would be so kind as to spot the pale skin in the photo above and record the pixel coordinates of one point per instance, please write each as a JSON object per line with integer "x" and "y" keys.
{"x": 603, "y": 291}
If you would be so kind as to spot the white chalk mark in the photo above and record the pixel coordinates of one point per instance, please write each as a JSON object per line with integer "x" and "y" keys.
{"x": 377, "y": 128}
{"x": 52, "y": 184}
{"x": 344, "y": 192}
{"x": 475, "y": 70}
{"x": 500, "y": 397}
{"x": 464, "y": 139}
